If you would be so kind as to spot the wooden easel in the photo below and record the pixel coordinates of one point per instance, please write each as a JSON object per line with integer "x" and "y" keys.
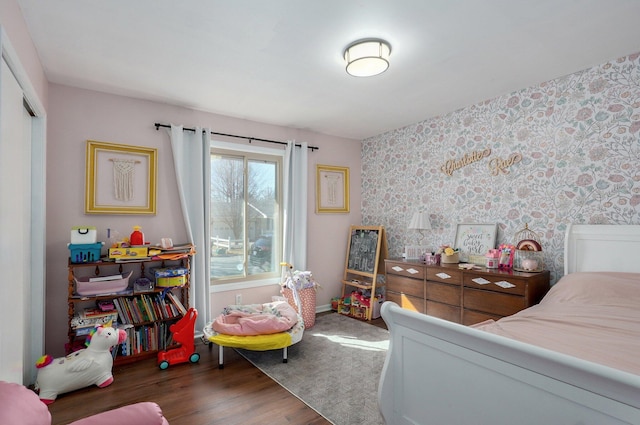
{"x": 366, "y": 251}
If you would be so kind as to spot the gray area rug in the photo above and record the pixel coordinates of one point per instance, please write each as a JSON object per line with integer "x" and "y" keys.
{"x": 334, "y": 369}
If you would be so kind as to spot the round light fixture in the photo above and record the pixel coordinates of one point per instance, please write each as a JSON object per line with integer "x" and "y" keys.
{"x": 366, "y": 58}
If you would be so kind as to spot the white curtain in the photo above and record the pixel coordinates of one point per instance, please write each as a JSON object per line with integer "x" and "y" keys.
{"x": 191, "y": 159}
{"x": 295, "y": 206}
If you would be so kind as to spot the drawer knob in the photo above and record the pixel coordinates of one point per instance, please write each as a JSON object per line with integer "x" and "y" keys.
{"x": 397, "y": 268}
{"x": 413, "y": 271}
{"x": 480, "y": 281}
{"x": 443, "y": 276}
{"x": 504, "y": 284}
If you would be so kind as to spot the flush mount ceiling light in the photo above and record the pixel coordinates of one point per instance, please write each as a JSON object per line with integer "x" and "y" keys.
{"x": 366, "y": 58}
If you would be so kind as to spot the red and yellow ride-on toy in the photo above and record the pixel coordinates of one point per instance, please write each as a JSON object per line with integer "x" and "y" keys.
{"x": 183, "y": 332}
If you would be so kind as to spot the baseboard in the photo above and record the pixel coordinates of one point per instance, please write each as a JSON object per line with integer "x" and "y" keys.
{"x": 323, "y": 308}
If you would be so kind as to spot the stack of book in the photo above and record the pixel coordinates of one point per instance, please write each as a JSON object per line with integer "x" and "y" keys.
{"x": 175, "y": 252}
{"x": 151, "y": 337}
{"x": 83, "y": 322}
{"x": 148, "y": 308}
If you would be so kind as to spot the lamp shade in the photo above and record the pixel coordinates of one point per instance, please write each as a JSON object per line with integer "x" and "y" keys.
{"x": 366, "y": 58}
{"x": 420, "y": 221}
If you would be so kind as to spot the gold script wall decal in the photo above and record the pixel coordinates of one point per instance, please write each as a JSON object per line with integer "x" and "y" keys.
{"x": 469, "y": 158}
{"x": 499, "y": 165}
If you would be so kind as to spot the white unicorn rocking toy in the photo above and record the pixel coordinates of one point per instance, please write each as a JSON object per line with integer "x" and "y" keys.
{"x": 90, "y": 366}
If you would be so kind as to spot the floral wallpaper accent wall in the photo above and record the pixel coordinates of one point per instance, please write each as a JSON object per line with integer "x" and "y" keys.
{"x": 579, "y": 141}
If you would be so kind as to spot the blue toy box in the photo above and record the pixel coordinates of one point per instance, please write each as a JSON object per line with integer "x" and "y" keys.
{"x": 85, "y": 253}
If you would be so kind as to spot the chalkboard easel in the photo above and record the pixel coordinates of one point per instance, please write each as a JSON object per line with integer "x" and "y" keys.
{"x": 366, "y": 251}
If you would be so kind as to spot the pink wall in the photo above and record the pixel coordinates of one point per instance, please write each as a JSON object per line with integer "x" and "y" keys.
{"x": 16, "y": 29}
{"x": 76, "y": 115}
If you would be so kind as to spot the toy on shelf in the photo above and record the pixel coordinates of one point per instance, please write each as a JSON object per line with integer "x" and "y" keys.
{"x": 89, "y": 366}
{"x": 136, "y": 237}
{"x": 183, "y": 332}
{"x": 359, "y": 303}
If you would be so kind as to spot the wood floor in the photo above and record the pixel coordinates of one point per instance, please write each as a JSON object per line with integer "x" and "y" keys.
{"x": 194, "y": 394}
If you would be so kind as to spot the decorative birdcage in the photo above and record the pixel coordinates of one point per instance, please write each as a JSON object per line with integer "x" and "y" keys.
{"x": 528, "y": 254}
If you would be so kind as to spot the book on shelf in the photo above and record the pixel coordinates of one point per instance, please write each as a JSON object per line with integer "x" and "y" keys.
{"x": 121, "y": 312}
{"x": 145, "y": 338}
{"x": 177, "y": 303}
{"x": 89, "y": 313}
{"x": 89, "y": 323}
{"x": 148, "y": 308}
{"x": 84, "y": 331}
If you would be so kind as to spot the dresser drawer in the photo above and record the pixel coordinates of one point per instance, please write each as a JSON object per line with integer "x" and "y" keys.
{"x": 405, "y": 285}
{"x": 472, "y": 317}
{"x": 447, "y": 275}
{"x": 492, "y": 302}
{"x": 440, "y": 292}
{"x": 405, "y": 269}
{"x": 498, "y": 283}
{"x": 407, "y": 301}
{"x": 443, "y": 311}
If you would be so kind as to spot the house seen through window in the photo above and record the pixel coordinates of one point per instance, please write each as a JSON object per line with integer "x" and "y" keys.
{"x": 245, "y": 220}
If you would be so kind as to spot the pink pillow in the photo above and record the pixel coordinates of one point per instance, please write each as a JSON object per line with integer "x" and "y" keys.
{"x": 142, "y": 413}
{"x": 596, "y": 288}
{"x": 20, "y": 405}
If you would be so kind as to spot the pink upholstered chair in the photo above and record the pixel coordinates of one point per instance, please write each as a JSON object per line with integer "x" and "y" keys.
{"x": 21, "y": 406}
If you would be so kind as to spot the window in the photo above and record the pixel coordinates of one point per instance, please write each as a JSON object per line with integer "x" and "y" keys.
{"x": 246, "y": 241}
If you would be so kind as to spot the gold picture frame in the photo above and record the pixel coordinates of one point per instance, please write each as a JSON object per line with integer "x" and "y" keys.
{"x": 120, "y": 179}
{"x": 332, "y": 189}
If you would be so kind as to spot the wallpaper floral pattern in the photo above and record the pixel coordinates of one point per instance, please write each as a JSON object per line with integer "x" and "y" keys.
{"x": 577, "y": 139}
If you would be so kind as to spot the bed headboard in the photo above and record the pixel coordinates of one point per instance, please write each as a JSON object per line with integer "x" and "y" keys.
{"x": 602, "y": 247}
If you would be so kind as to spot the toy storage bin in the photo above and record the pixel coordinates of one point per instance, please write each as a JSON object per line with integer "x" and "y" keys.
{"x": 168, "y": 277}
{"x": 85, "y": 253}
{"x": 156, "y": 272}
{"x": 85, "y": 287}
{"x": 299, "y": 289}
{"x": 308, "y": 304}
{"x": 376, "y": 304}
{"x": 170, "y": 282}
{"x": 83, "y": 235}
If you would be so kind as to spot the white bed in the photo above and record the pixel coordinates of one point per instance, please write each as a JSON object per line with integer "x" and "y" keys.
{"x": 439, "y": 372}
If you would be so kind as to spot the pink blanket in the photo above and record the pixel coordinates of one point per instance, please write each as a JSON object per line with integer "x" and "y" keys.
{"x": 256, "y": 319}
{"x": 593, "y": 316}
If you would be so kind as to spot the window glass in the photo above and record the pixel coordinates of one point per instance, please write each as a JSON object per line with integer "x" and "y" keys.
{"x": 245, "y": 216}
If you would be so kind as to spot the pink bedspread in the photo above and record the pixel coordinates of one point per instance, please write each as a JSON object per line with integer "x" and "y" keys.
{"x": 256, "y": 319}
{"x": 594, "y": 316}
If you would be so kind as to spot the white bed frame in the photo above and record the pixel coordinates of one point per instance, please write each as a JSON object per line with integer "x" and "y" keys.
{"x": 439, "y": 372}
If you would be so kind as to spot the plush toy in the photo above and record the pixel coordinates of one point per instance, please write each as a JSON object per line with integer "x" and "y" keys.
{"x": 90, "y": 366}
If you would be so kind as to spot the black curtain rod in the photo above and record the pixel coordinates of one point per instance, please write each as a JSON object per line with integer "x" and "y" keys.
{"x": 250, "y": 139}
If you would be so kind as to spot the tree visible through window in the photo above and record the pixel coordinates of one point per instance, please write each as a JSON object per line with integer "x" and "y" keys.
{"x": 245, "y": 216}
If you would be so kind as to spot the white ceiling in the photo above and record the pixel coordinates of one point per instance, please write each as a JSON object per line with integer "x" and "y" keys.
{"x": 280, "y": 61}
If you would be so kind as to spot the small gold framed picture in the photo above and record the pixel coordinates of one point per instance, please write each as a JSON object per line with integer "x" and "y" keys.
{"x": 332, "y": 189}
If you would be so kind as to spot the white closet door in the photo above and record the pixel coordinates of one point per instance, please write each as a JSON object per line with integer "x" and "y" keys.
{"x": 15, "y": 193}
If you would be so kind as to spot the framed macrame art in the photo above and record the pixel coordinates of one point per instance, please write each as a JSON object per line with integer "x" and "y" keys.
{"x": 121, "y": 179}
